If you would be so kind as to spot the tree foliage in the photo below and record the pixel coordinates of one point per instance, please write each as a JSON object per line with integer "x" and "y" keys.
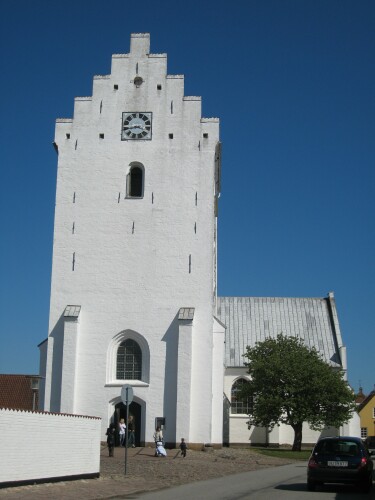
{"x": 292, "y": 384}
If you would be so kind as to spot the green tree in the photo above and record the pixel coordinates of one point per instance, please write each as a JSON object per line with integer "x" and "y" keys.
{"x": 292, "y": 384}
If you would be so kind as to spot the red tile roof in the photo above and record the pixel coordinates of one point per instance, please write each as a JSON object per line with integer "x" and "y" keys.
{"x": 16, "y": 392}
{"x": 365, "y": 401}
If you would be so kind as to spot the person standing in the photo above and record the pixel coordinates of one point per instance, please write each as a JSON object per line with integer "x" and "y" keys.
{"x": 121, "y": 431}
{"x": 131, "y": 432}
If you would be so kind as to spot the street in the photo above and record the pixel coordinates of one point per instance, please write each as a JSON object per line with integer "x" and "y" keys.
{"x": 286, "y": 482}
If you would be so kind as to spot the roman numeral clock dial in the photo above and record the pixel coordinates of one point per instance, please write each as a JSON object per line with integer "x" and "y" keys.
{"x": 136, "y": 125}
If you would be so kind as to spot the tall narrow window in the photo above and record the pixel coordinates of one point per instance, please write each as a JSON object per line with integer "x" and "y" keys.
{"x": 129, "y": 361}
{"x": 135, "y": 182}
{"x": 240, "y": 405}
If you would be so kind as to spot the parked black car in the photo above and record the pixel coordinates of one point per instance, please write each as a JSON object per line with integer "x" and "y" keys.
{"x": 340, "y": 460}
{"x": 370, "y": 443}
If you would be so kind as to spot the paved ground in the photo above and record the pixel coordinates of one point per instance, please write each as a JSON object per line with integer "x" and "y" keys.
{"x": 146, "y": 473}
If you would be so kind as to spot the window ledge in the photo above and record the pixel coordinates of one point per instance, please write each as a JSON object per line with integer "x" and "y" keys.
{"x": 239, "y": 415}
{"x": 133, "y": 383}
{"x": 127, "y": 197}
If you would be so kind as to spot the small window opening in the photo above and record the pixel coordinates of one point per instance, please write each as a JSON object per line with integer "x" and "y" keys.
{"x": 205, "y": 136}
{"x": 170, "y": 136}
{"x": 115, "y": 86}
{"x": 158, "y": 86}
{"x": 101, "y": 106}
{"x": 73, "y": 261}
{"x": 101, "y": 136}
{"x": 171, "y": 107}
{"x": 138, "y": 81}
{"x": 135, "y": 182}
{"x": 68, "y": 136}
{"x": 76, "y": 145}
{"x": 74, "y": 197}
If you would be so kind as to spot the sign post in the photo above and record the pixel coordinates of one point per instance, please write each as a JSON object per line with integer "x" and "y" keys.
{"x": 127, "y": 398}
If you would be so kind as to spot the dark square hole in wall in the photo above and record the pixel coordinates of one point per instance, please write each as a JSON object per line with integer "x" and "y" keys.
{"x": 101, "y": 136}
{"x": 205, "y": 136}
{"x": 159, "y": 86}
{"x": 170, "y": 136}
{"x": 68, "y": 136}
{"x": 115, "y": 87}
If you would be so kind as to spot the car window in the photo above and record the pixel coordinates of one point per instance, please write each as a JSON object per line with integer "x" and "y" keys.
{"x": 348, "y": 448}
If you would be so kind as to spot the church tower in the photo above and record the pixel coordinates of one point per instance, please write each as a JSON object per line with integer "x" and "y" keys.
{"x": 133, "y": 292}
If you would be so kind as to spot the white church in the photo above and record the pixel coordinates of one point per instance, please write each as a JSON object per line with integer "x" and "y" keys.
{"x": 133, "y": 293}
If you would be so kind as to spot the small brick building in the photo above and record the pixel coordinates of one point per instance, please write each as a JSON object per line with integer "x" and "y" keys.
{"x": 19, "y": 392}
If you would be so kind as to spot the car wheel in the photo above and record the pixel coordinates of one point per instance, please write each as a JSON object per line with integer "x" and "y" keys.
{"x": 311, "y": 485}
{"x": 366, "y": 485}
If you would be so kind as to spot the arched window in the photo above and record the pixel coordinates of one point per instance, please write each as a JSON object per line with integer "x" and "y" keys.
{"x": 135, "y": 181}
{"x": 129, "y": 361}
{"x": 240, "y": 405}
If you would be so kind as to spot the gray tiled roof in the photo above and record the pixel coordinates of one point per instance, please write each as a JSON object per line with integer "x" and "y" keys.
{"x": 252, "y": 319}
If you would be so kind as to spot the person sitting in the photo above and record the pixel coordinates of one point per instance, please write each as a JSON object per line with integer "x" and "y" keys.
{"x": 158, "y": 438}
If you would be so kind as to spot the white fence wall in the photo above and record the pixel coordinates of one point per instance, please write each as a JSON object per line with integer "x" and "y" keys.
{"x": 37, "y": 446}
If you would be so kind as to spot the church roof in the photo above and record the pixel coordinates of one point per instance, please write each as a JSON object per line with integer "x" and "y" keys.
{"x": 252, "y": 319}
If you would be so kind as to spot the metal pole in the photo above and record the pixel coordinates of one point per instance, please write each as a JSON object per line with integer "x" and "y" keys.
{"x": 126, "y": 430}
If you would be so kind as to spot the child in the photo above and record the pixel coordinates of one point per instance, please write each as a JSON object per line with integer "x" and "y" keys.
{"x": 111, "y": 439}
{"x": 183, "y": 447}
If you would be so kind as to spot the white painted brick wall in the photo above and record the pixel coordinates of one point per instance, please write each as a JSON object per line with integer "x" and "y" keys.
{"x": 284, "y": 434}
{"x": 37, "y": 445}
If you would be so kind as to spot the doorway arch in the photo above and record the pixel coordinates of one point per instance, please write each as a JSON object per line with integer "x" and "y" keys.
{"x": 135, "y": 409}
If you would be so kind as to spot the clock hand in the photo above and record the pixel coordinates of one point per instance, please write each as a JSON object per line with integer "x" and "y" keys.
{"x": 137, "y": 125}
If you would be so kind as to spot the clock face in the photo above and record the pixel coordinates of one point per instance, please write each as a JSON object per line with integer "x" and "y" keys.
{"x": 136, "y": 126}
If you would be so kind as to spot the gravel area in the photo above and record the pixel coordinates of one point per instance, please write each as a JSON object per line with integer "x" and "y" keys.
{"x": 197, "y": 465}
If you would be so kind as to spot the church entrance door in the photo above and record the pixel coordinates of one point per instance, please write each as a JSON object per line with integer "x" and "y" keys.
{"x": 135, "y": 410}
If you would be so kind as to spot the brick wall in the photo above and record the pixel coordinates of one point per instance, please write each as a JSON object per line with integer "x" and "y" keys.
{"x": 35, "y": 446}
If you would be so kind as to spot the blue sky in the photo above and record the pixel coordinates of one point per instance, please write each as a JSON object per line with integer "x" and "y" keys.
{"x": 293, "y": 84}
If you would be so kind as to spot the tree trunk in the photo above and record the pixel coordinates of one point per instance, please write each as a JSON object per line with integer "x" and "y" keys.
{"x": 297, "y": 436}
